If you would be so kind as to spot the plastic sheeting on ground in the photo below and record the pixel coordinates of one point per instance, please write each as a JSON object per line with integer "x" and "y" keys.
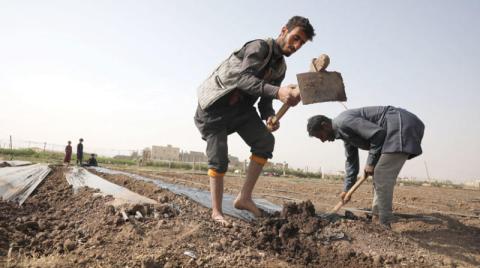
{"x": 17, "y": 183}
{"x": 79, "y": 177}
{"x": 200, "y": 196}
{"x": 14, "y": 163}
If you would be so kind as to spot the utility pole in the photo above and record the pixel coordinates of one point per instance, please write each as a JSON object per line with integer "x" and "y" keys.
{"x": 426, "y": 169}
{"x": 11, "y": 148}
{"x": 245, "y": 167}
{"x": 44, "y": 146}
{"x": 284, "y": 164}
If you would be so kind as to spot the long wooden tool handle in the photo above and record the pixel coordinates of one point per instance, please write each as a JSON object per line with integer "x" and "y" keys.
{"x": 349, "y": 194}
{"x": 280, "y": 113}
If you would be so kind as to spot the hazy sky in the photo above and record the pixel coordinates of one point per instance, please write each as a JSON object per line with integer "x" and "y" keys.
{"x": 124, "y": 74}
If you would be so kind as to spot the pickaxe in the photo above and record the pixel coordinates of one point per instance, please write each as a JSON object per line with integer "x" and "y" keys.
{"x": 317, "y": 86}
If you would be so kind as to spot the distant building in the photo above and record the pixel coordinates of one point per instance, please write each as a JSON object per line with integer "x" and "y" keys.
{"x": 174, "y": 154}
{"x": 193, "y": 156}
{"x": 134, "y": 155}
{"x": 165, "y": 153}
{"x": 146, "y": 155}
{"x": 234, "y": 161}
{"x": 277, "y": 165}
{"x": 473, "y": 184}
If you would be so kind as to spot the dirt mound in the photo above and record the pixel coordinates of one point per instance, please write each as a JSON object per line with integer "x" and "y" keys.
{"x": 296, "y": 235}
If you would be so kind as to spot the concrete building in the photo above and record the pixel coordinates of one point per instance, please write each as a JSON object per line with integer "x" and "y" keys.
{"x": 174, "y": 154}
{"x": 193, "y": 156}
{"x": 146, "y": 155}
{"x": 165, "y": 153}
{"x": 475, "y": 184}
{"x": 277, "y": 165}
{"x": 234, "y": 161}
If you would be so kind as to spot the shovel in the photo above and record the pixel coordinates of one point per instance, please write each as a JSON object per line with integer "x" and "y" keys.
{"x": 349, "y": 194}
{"x": 332, "y": 215}
{"x": 317, "y": 86}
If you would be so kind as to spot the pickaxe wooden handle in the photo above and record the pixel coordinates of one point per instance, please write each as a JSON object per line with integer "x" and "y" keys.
{"x": 349, "y": 194}
{"x": 280, "y": 113}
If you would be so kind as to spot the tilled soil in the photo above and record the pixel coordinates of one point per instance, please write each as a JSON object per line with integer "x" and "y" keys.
{"x": 59, "y": 228}
{"x": 453, "y": 235}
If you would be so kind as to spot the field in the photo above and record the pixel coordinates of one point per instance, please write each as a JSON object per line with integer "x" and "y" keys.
{"x": 436, "y": 227}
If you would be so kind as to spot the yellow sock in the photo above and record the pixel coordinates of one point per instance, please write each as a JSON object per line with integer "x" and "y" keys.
{"x": 259, "y": 160}
{"x": 214, "y": 174}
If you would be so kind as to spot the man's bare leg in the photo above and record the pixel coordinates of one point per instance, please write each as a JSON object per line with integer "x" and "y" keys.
{"x": 244, "y": 199}
{"x": 216, "y": 191}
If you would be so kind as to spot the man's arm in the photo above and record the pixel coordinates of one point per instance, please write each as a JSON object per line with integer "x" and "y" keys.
{"x": 265, "y": 104}
{"x": 351, "y": 166}
{"x": 255, "y": 54}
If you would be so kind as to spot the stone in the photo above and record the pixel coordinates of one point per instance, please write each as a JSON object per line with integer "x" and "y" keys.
{"x": 69, "y": 245}
{"x": 217, "y": 246}
{"x": 110, "y": 210}
{"x": 377, "y": 260}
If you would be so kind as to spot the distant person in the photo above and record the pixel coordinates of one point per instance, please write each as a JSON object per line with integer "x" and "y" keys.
{"x": 226, "y": 105}
{"x": 92, "y": 161}
{"x": 391, "y": 135}
{"x": 68, "y": 153}
{"x": 80, "y": 152}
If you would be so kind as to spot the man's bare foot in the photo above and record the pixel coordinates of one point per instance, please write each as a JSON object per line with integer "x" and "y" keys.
{"x": 218, "y": 217}
{"x": 247, "y": 205}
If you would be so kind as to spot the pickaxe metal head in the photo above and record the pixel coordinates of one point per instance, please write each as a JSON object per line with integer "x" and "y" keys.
{"x": 320, "y": 85}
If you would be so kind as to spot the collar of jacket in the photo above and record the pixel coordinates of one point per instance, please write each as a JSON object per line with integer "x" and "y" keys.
{"x": 277, "y": 51}
{"x": 336, "y": 132}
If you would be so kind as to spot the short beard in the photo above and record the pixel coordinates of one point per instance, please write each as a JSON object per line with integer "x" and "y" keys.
{"x": 281, "y": 43}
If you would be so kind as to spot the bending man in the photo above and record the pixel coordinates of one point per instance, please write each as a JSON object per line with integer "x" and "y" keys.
{"x": 391, "y": 135}
{"x": 225, "y": 106}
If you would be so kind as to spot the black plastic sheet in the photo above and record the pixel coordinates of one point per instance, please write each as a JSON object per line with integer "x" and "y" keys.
{"x": 200, "y": 196}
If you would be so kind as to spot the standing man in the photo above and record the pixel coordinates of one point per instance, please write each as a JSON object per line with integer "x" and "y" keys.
{"x": 225, "y": 106}
{"x": 68, "y": 154}
{"x": 80, "y": 152}
{"x": 391, "y": 135}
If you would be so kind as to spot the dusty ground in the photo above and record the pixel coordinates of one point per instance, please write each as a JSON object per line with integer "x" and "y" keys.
{"x": 56, "y": 227}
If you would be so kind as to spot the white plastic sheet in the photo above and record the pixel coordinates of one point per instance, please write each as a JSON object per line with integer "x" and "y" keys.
{"x": 79, "y": 177}
{"x": 200, "y": 196}
{"x": 14, "y": 163}
{"x": 17, "y": 183}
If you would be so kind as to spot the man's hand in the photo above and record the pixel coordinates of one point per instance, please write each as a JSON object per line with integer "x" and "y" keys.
{"x": 270, "y": 126}
{"x": 289, "y": 95}
{"x": 343, "y": 195}
{"x": 368, "y": 170}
